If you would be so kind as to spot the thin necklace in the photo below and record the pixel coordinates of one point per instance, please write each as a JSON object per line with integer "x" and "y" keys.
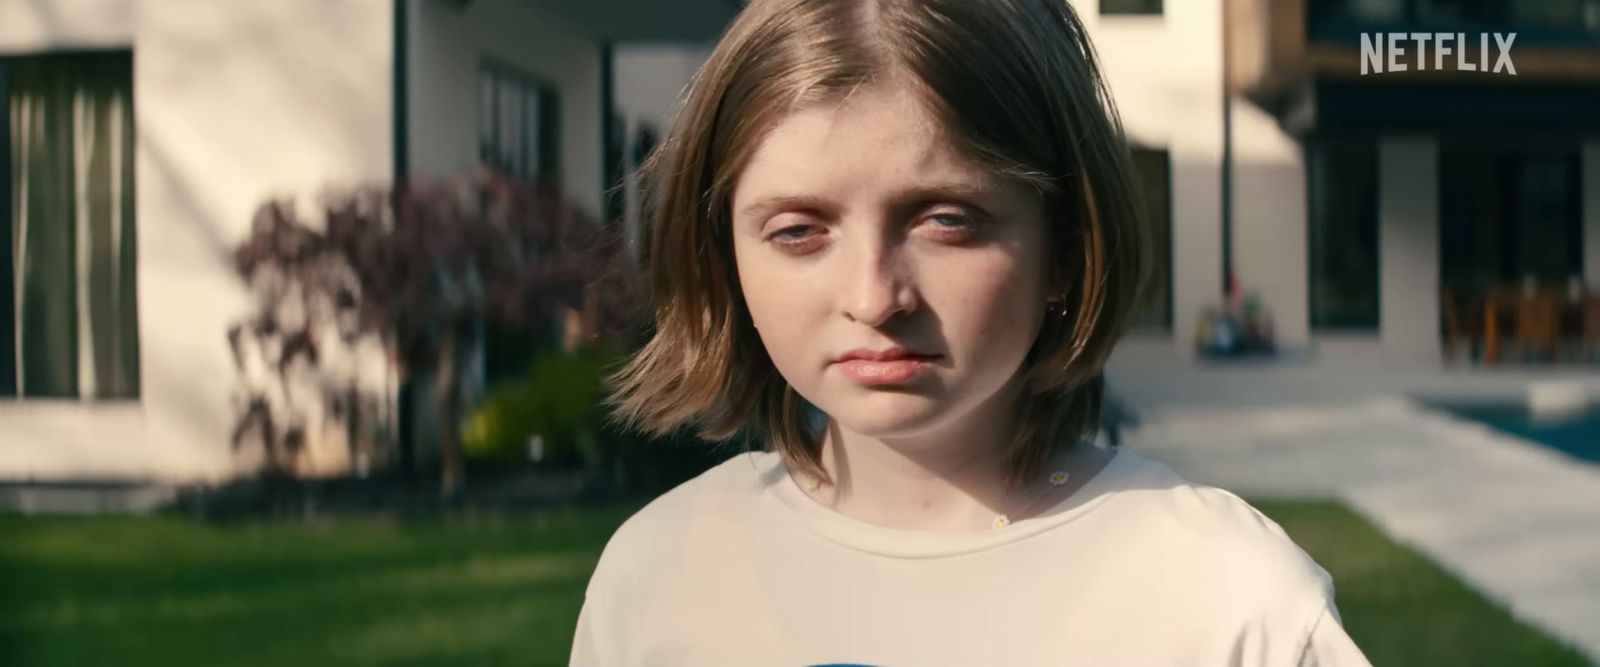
{"x": 1057, "y": 477}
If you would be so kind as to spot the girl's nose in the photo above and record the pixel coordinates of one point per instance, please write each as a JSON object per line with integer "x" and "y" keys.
{"x": 876, "y": 287}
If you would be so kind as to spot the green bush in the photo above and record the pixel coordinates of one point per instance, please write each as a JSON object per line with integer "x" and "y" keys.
{"x": 558, "y": 401}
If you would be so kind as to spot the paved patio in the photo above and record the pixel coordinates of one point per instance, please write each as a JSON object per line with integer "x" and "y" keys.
{"x": 1518, "y": 521}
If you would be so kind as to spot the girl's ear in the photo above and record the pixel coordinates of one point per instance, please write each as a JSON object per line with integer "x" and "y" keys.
{"x": 1053, "y": 285}
{"x": 1064, "y": 265}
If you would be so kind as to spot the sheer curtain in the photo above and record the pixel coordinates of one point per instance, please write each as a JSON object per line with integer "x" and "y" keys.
{"x": 72, "y": 226}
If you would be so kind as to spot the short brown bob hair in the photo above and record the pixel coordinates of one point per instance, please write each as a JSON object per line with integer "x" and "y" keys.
{"x": 1014, "y": 82}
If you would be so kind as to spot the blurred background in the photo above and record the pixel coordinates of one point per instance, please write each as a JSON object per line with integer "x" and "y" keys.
{"x": 304, "y": 306}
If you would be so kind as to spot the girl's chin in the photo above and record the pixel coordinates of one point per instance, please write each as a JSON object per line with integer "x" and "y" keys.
{"x": 886, "y": 416}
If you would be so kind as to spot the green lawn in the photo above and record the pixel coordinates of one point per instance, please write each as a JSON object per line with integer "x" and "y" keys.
{"x": 169, "y": 592}
{"x": 1404, "y": 610}
{"x": 494, "y": 590}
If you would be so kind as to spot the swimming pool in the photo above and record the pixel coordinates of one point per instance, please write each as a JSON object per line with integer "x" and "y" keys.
{"x": 1577, "y": 435}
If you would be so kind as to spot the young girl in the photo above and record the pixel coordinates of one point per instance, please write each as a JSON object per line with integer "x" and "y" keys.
{"x": 894, "y": 242}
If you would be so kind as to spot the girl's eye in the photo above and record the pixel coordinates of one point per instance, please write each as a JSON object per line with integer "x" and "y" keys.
{"x": 951, "y": 225}
{"x": 790, "y": 236}
{"x": 799, "y": 239}
{"x": 792, "y": 233}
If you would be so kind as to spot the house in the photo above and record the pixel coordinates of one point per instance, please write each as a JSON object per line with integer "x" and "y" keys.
{"x": 1359, "y": 207}
{"x": 1428, "y": 185}
{"x": 143, "y": 135}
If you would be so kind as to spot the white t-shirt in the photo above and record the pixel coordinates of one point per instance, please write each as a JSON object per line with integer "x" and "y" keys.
{"x": 739, "y": 566}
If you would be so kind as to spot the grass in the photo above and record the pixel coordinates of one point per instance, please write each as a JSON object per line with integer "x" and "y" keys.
{"x": 1402, "y": 609}
{"x": 495, "y": 590}
{"x": 485, "y": 590}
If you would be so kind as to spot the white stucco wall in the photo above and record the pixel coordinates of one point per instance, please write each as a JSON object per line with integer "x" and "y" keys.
{"x": 235, "y": 102}
{"x": 1591, "y": 213}
{"x": 30, "y": 26}
{"x": 1408, "y": 247}
{"x": 651, "y": 78}
{"x": 1269, "y": 221}
{"x": 1165, "y": 74}
{"x": 447, "y": 45}
{"x": 650, "y": 82}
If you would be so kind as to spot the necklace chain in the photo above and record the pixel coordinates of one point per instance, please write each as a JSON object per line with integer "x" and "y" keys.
{"x": 1057, "y": 477}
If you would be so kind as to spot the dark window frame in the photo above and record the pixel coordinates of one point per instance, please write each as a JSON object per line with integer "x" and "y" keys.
{"x": 1133, "y": 7}
{"x": 506, "y": 353}
{"x": 1374, "y": 216}
{"x": 546, "y": 164}
{"x": 1328, "y": 21}
{"x": 1509, "y": 157}
{"x": 10, "y": 383}
{"x": 1167, "y": 219}
{"x": 8, "y": 306}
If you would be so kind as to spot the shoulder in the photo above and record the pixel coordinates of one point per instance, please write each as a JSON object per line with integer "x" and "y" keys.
{"x": 648, "y": 537}
{"x": 625, "y": 585}
{"x": 1216, "y": 536}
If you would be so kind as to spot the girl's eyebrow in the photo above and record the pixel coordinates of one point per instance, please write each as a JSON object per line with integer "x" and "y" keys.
{"x": 953, "y": 189}
{"x": 764, "y": 207}
{"x": 761, "y": 208}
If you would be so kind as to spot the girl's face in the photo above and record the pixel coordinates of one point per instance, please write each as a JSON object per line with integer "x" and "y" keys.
{"x": 859, "y": 228}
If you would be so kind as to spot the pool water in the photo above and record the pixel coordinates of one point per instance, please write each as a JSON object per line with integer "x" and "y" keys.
{"x": 1577, "y": 435}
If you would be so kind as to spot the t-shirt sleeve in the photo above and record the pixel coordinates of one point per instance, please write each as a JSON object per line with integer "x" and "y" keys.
{"x": 585, "y": 645}
{"x": 603, "y": 622}
{"x": 1328, "y": 645}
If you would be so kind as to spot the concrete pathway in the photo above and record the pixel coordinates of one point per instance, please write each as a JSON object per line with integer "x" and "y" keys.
{"x": 1517, "y": 521}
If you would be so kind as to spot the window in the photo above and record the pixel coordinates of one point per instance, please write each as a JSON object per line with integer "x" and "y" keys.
{"x": 1153, "y": 170}
{"x": 1343, "y": 197}
{"x": 1554, "y": 14}
{"x": 518, "y": 123}
{"x": 1507, "y": 216}
{"x": 68, "y": 313}
{"x": 518, "y": 134}
{"x": 1130, "y": 7}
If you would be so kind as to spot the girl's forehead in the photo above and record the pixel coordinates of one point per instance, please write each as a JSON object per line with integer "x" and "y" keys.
{"x": 881, "y": 98}
{"x": 869, "y": 130}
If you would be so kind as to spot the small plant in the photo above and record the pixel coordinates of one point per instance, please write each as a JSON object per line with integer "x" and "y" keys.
{"x": 1242, "y": 327}
{"x": 555, "y": 409}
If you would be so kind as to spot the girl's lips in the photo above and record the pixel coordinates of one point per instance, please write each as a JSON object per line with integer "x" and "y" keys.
{"x": 885, "y": 372}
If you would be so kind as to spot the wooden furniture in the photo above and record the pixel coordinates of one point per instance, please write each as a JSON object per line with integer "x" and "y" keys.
{"x": 1589, "y": 318}
{"x": 1531, "y": 320}
{"x": 1537, "y": 322}
{"x": 1495, "y": 302}
{"x": 1538, "y": 316}
{"x": 1452, "y": 324}
{"x": 1463, "y": 324}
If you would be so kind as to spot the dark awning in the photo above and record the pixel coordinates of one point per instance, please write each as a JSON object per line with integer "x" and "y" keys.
{"x": 1435, "y": 108}
{"x": 648, "y": 20}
